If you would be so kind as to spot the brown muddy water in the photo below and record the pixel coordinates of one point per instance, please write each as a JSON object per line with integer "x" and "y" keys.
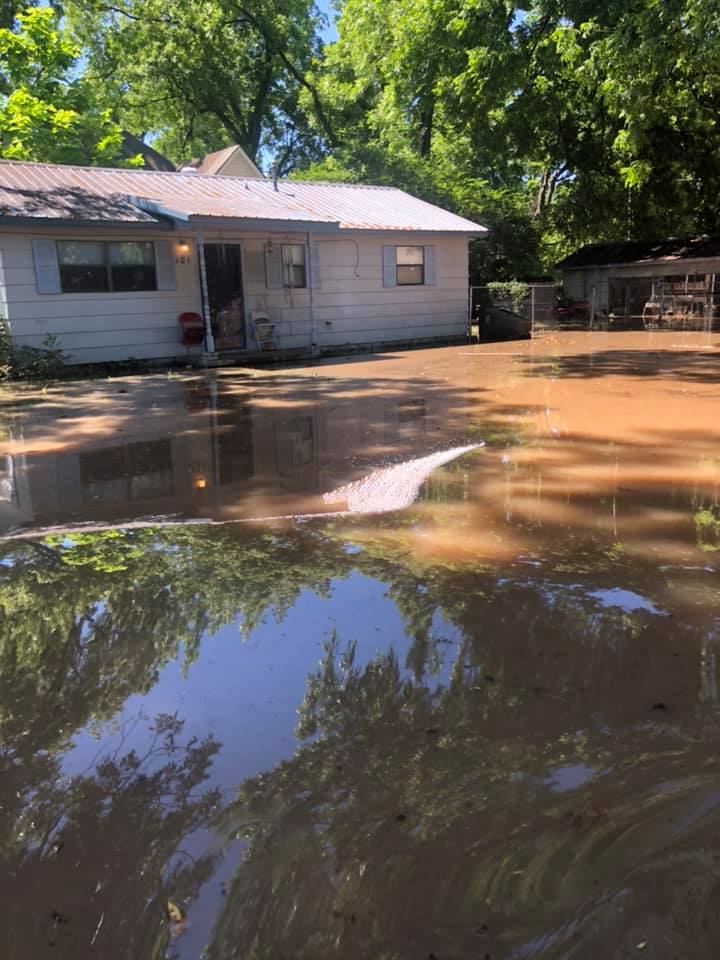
{"x": 461, "y": 702}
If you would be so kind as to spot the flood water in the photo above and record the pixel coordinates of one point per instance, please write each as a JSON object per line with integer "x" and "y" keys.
{"x": 415, "y": 656}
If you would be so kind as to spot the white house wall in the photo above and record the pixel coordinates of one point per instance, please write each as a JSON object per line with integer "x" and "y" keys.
{"x": 96, "y": 327}
{"x": 350, "y": 306}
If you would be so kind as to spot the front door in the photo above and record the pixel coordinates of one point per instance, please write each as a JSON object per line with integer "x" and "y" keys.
{"x": 223, "y": 267}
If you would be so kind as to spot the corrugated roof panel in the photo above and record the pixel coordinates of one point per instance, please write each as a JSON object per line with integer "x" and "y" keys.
{"x": 94, "y": 194}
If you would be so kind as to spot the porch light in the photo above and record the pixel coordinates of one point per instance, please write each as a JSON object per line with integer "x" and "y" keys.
{"x": 199, "y": 483}
{"x": 183, "y": 248}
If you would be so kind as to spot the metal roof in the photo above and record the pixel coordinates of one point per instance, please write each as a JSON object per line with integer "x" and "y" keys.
{"x": 43, "y": 192}
{"x": 642, "y": 251}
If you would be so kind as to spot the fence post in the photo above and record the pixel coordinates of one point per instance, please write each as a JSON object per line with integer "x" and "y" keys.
{"x": 532, "y": 310}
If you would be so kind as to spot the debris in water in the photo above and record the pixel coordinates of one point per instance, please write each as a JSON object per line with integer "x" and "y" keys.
{"x": 177, "y": 918}
{"x": 174, "y": 912}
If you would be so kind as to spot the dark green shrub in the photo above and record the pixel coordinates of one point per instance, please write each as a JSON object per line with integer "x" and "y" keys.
{"x": 29, "y": 363}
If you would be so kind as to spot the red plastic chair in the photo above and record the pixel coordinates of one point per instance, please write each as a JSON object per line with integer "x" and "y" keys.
{"x": 193, "y": 329}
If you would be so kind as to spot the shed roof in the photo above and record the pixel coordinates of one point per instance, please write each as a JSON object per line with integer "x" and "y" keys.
{"x": 642, "y": 251}
{"x": 39, "y": 192}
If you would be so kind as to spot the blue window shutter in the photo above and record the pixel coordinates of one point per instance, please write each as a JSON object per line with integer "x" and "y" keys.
{"x": 388, "y": 267}
{"x": 273, "y": 266}
{"x": 164, "y": 265}
{"x": 430, "y": 267}
{"x": 315, "y": 267}
{"x": 47, "y": 271}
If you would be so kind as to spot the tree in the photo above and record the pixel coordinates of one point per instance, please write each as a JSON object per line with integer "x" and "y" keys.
{"x": 203, "y": 75}
{"x": 47, "y": 111}
{"x": 554, "y": 123}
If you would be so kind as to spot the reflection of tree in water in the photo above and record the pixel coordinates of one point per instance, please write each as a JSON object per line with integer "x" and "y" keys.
{"x": 418, "y": 814}
{"x": 90, "y": 860}
{"x": 89, "y": 620}
{"x": 433, "y": 821}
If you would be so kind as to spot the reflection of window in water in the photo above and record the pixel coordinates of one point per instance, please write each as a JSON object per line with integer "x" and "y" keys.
{"x": 7, "y": 479}
{"x": 135, "y": 471}
{"x": 235, "y": 448}
{"x": 411, "y": 418}
{"x": 294, "y": 445}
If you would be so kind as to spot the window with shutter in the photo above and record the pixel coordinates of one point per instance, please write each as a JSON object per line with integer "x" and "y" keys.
{"x": 99, "y": 266}
{"x": 410, "y": 266}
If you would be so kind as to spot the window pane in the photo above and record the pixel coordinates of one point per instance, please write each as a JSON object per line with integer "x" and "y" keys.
{"x": 82, "y": 266}
{"x": 409, "y": 274}
{"x": 81, "y": 252}
{"x": 410, "y": 255}
{"x": 297, "y": 254}
{"x": 133, "y": 266}
{"x": 294, "y": 265}
{"x": 132, "y": 254}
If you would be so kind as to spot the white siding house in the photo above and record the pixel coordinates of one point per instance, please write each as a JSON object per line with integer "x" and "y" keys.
{"x": 108, "y": 260}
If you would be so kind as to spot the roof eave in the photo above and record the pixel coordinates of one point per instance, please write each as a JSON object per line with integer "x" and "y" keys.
{"x": 61, "y": 222}
{"x": 634, "y": 263}
{"x": 265, "y": 223}
{"x": 443, "y": 232}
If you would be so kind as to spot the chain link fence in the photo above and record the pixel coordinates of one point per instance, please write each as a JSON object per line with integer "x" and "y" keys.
{"x": 535, "y": 302}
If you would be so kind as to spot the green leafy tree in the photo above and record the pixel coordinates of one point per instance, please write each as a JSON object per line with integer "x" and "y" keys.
{"x": 202, "y": 75}
{"x": 553, "y": 123}
{"x": 48, "y": 112}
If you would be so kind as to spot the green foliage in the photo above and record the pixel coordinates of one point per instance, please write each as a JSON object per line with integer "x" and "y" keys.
{"x": 510, "y": 293}
{"x": 707, "y": 529}
{"x": 203, "y": 75}
{"x": 47, "y": 111}
{"x": 29, "y": 363}
{"x": 558, "y": 127}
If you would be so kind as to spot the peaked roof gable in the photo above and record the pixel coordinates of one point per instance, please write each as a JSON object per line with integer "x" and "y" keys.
{"x": 221, "y": 162}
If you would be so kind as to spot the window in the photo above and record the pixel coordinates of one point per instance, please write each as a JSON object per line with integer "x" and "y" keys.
{"x": 93, "y": 266}
{"x": 83, "y": 268}
{"x": 293, "y": 258}
{"x": 410, "y": 266}
{"x": 132, "y": 266}
{"x": 134, "y": 471}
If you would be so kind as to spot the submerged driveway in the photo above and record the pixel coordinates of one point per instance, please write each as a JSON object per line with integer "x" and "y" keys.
{"x": 411, "y": 655}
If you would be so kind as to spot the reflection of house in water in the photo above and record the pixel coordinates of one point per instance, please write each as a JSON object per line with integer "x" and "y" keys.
{"x": 132, "y": 472}
{"x": 203, "y": 452}
{"x": 410, "y": 417}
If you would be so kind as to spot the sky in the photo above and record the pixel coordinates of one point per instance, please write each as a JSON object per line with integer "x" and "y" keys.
{"x": 329, "y": 33}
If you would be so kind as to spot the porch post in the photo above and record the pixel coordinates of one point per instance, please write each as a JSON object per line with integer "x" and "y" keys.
{"x": 209, "y": 339}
